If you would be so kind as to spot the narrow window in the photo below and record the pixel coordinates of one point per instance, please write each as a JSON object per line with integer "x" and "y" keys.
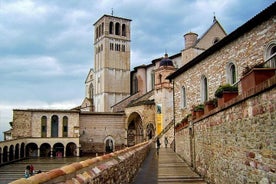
{"x": 152, "y": 80}
{"x": 231, "y": 73}
{"x": 160, "y": 78}
{"x": 184, "y": 101}
{"x": 270, "y": 55}
{"x": 123, "y": 30}
{"x": 65, "y": 127}
{"x": 54, "y": 126}
{"x": 43, "y": 126}
{"x": 204, "y": 89}
{"x": 117, "y": 28}
{"x": 111, "y": 28}
{"x": 102, "y": 29}
{"x": 135, "y": 85}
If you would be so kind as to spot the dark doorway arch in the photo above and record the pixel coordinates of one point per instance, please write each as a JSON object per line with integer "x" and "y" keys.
{"x": 16, "y": 153}
{"x": 45, "y": 150}
{"x": 31, "y": 150}
{"x": 22, "y": 150}
{"x": 71, "y": 149}
{"x": 11, "y": 151}
{"x": 135, "y": 130}
{"x": 58, "y": 150}
{"x": 5, "y": 154}
{"x": 150, "y": 131}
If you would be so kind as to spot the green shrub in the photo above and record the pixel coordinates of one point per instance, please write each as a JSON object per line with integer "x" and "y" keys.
{"x": 225, "y": 87}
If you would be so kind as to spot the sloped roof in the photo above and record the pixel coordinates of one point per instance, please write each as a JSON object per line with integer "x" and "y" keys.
{"x": 252, "y": 23}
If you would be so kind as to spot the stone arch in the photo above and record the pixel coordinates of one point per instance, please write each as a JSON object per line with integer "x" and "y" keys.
{"x": 109, "y": 144}
{"x": 17, "y": 151}
{"x": 71, "y": 149}
{"x": 11, "y": 151}
{"x": 135, "y": 130}
{"x": 150, "y": 131}
{"x": 31, "y": 150}
{"x": 5, "y": 154}
{"x": 45, "y": 150}
{"x": 58, "y": 149}
{"x": 22, "y": 150}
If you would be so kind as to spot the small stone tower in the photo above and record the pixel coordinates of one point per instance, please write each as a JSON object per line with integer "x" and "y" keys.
{"x": 163, "y": 93}
{"x": 190, "y": 39}
{"x": 111, "y": 61}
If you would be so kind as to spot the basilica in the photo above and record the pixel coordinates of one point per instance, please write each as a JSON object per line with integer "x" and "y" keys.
{"x": 124, "y": 107}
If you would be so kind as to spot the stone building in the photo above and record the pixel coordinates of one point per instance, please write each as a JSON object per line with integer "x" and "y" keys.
{"x": 120, "y": 108}
{"x": 235, "y": 142}
{"x": 123, "y": 107}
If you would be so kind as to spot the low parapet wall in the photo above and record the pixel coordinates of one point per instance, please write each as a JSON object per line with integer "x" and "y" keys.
{"x": 118, "y": 167}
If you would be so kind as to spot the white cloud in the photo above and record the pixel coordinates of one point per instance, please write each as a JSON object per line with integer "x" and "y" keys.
{"x": 31, "y": 65}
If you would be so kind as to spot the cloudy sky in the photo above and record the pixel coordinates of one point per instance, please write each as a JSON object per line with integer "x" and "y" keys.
{"x": 46, "y": 46}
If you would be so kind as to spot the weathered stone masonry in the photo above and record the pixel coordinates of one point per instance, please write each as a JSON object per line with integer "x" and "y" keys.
{"x": 235, "y": 143}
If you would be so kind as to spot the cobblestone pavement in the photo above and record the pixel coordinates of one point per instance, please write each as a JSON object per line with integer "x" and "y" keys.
{"x": 166, "y": 167}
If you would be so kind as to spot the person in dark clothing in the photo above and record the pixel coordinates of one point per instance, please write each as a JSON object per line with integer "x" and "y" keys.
{"x": 158, "y": 143}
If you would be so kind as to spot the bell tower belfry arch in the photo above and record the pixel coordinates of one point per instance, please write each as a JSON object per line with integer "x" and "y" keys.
{"x": 111, "y": 61}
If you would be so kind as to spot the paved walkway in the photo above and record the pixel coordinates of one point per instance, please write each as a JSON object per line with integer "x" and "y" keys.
{"x": 166, "y": 167}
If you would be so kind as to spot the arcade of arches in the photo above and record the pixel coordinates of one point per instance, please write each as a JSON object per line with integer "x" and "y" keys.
{"x": 32, "y": 147}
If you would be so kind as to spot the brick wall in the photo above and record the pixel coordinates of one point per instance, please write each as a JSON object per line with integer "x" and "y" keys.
{"x": 114, "y": 168}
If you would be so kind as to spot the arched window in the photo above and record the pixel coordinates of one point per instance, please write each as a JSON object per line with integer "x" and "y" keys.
{"x": 270, "y": 55}
{"x": 135, "y": 85}
{"x": 54, "y": 126}
{"x": 102, "y": 29}
{"x": 43, "y": 126}
{"x": 183, "y": 99}
{"x": 91, "y": 91}
{"x": 204, "y": 89}
{"x": 160, "y": 78}
{"x": 231, "y": 73}
{"x": 123, "y": 30}
{"x": 65, "y": 126}
{"x": 117, "y": 28}
{"x": 111, "y": 25}
{"x": 152, "y": 80}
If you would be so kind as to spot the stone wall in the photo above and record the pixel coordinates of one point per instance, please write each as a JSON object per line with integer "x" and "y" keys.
{"x": 114, "y": 168}
{"x": 95, "y": 127}
{"x": 235, "y": 143}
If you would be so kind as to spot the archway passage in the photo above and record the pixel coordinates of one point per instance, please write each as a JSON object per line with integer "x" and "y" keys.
{"x": 150, "y": 131}
{"x": 71, "y": 149}
{"x": 31, "y": 150}
{"x": 45, "y": 150}
{"x": 135, "y": 129}
{"x": 58, "y": 150}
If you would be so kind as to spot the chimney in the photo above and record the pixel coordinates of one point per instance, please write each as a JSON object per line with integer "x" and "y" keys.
{"x": 190, "y": 39}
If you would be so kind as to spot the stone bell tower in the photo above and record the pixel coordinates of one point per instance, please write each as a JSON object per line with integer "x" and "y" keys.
{"x": 111, "y": 61}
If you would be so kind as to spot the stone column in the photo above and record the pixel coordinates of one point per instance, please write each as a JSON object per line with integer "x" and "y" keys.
{"x": 51, "y": 153}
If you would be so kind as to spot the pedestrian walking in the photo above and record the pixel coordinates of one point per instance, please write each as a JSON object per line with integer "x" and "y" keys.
{"x": 158, "y": 143}
{"x": 166, "y": 142}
